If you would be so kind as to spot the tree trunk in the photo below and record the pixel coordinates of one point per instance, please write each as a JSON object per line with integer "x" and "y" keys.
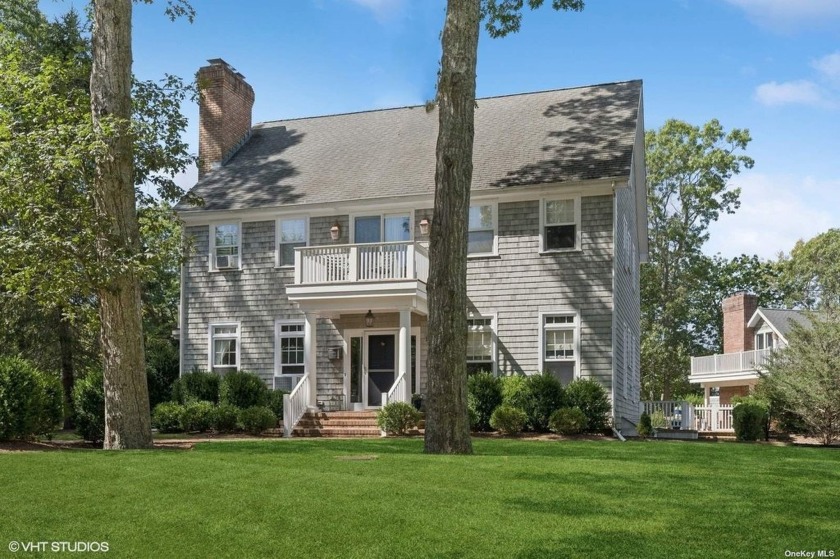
{"x": 447, "y": 423}
{"x": 127, "y": 421}
{"x": 65, "y": 352}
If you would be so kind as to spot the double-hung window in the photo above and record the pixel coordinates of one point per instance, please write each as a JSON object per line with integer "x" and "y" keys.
{"x": 561, "y": 224}
{"x": 482, "y": 230}
{"x": 225, "y": 248}
{"x": 224, "y": 346}
{"x": 290, "y": 342}
{"x": 560, "y": 345}
{"x": 480, "y": 345}
{"x": 764, "y": 340}
{"x": 291, "y": 233}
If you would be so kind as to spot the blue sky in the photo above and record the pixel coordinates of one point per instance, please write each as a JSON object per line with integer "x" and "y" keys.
{"x": 772, "y": 66}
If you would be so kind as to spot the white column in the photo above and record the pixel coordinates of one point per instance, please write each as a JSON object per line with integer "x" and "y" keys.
{"x": 405, "y": 350}
{"x": 310, "y": 356}
{"x": 706, "y": 392}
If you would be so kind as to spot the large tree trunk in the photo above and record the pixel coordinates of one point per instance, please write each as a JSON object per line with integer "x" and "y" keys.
{"x": 127, "y": 421}
{"x": 447, "y": 423}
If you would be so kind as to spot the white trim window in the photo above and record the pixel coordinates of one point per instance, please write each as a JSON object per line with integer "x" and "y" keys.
{"x": 560, "y": 228}
{"x": 292, "y": 232}
{"x": 480, "y": 346}
{"x": 224, "y": 346}
{"x": 764, "y": 340}
{"x": 481, "y": 238}
{"x": 225, "y": 246}
{"x": 290, "y": 354}
{"x": 560, "y": 345}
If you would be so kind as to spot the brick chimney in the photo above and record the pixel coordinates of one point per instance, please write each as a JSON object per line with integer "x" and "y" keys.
{"x": 737, "y": 312}
{"x": 224, "y": 114}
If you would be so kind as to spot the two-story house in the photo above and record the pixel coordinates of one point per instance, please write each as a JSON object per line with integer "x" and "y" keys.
{"x": 750, "y": 334}
{"x": 310, "y": 251}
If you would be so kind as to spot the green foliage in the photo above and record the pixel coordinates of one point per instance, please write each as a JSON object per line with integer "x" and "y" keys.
{"x": 568, "y": 421}
{"x": 592, "y": 400}
{"x": 397, "y": 418}
{"x": 508, "y": 420}
{"x": 30, "y": 401}
{"x": 472, "y": 418}
{"x": 255, "y": 420}
{"x": 502, "y": 17}
{"x": 804, "y": 378}
{"x": 197, "y": 416}
{"x": 749, "y": 418}
{"x": 645, "y": 426}
{"x": 418, "y": 402}
{"x": 197, "y": 386}
{"x": 512, "y": 389}
{"x": 658, "y": 420}
{"x": 539, "y": 397}
{"x": 166, "y": 417}
{"x": 243, "y": 390}
{"x": 161, "y": 369}
{"x": 693, "y": 399}
{"x": 484, "y": 395}
{"x": 89, "y": 406}
{"x": 225, "y": 418}
{"x": 274, "y": 400}
{"x": 812, "y": 272}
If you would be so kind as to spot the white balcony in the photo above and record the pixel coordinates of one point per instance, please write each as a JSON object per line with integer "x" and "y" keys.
{"x": 359, "y": 277}
{"x": 743, "y": 365}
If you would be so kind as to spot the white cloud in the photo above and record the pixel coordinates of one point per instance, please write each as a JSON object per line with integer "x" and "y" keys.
{"x": 800, "y": 92}
{"x": 788, "y": 15}
{"x": 776, "y": 211}
{"x": 829, "y": 67}
{"x": 383, "y": 10}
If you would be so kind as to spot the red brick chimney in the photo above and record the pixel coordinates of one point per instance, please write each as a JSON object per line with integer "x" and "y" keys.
{"x": 737, "y": 312}
{"x": 224, "y": 114}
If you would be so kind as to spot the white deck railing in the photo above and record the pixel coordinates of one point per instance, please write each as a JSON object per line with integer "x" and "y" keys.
{"x": 683, "y": 415}
{"x": 295, "y": 404}
{"x": 741, "y": 361}
{"x": 398, "y": 392}
{"x": 361, "y": 262}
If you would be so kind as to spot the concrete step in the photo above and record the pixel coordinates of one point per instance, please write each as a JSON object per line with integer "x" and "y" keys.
{"x": 308, "y": 422}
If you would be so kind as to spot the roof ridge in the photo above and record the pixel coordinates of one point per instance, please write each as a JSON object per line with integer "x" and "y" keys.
{"x": 366, "y": 111}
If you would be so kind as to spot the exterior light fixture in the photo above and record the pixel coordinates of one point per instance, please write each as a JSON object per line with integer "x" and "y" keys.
{"x": 424, "y": 226}
{"x": 335, "y": 231}
{"x": 369, "y": 319}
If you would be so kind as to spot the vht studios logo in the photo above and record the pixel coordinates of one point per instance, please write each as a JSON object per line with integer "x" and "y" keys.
{"x": 59, "y": 547}
{"x": 810, "y": 554}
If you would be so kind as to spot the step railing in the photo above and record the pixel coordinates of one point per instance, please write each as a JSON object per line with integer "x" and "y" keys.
{"x": 398, "y": 392}
{"x": 295, "y": 405}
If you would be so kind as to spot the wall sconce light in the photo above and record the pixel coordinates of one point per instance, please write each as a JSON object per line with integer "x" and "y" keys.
{"x": 369, "y": 319}
{"x": 335, "y": 231}
{"x": 424, "y": 226}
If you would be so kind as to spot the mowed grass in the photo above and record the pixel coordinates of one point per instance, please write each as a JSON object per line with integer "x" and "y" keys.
{"x": 384, "y": 498}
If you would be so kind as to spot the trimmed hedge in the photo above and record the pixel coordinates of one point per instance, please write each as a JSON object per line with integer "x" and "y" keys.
{"x": 30, "y": 401}
{"x": 89, "y": 407}
{"x": 243, "y": 390}
{"x": 508, "y": 419}
{"x": 197, "y": 416}
{"x": 749, "y": 419}
{"x": 590, "y": 397}
{"x": 197, "y": 386}
{"x": 225, "y": 418}
{"x": 541, "y": 395}
{"x": 397, "y": 418}
{"x": 484, "y": 395}
{"x": 567, "y": 421}
{"x": 257, "y": 419}
{"x": 166, "y": 417}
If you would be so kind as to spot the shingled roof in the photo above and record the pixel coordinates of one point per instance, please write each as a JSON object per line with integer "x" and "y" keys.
{"x": 533, "y": 138}
{"x": 781, "y": 319}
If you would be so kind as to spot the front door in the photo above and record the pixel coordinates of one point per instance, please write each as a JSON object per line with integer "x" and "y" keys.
{"x": 381, "y": 366}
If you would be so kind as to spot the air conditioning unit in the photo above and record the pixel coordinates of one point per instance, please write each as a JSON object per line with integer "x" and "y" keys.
{"x": 229, "y": 261}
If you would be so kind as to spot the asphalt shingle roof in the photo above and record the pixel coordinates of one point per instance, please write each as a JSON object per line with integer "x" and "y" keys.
{"x": 551, "y": 136}
{"x": 783, "y": 319}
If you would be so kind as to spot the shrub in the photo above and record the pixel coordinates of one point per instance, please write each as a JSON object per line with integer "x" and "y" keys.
{"x": 274, "y": 400}
{"x": 644, "y": 429}
{"x": 541, "y": 395}
{"x": 418, "y": 403}
{"x": 30, "y": 401}
{"x": 568, "y": 421}
{"x": 161, "y": 368}
{"x": 397, "y": 418}
{"x": 89, "y": 407}
{"x": 243, "y": 390}
{"x": 197, "y": 416}
{"x": 196, "y": 386}
{"x": 166, "y": 417}
{"x": 508, "y": 419}
{"x": 484, "y": 395}
{"x": 512, "y": 389}
{"x": 590, "y": 397}
{"x": 657, "y": 420}
{"x": 256, "y": 419}
{"x": 472, "y": 418}
{"x": 224, "y": 418}
{"x": 749, "y": 418}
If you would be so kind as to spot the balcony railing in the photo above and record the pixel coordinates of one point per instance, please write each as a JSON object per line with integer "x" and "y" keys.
{"x": 374, "y": 262}
{"x": 743, "y": 361}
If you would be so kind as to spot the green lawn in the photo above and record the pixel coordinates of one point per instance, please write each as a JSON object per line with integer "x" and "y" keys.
{"x": 305, "y": 498}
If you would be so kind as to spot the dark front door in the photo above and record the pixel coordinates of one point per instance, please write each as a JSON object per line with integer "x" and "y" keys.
{"x": 381, "y": 366}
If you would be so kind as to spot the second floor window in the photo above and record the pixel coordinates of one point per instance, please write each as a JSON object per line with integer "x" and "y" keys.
{"x": 291, "y": 234}
{"x": 225, "y": 249}
{"x": 482, "y": 230}
{"x": 479, "y": 345}
{"x": 560, "y": 227}
{"x": 764, "y": 340}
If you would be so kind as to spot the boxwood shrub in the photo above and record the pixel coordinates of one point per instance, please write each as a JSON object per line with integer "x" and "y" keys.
{"x": 484, "y": 395}
{"x": 197, "y": 386}
{"x": 567, "y": 421}
{"x": 89, "y": 406}
{"x": 197, "y": 416}
{"x": 225, "y": 418}
{"x": 508, "y": 419}
{"x": 166, "y": 417}
{"x": 541, "y": 395}
{"x": 257, "y": 419}
{"x": 243, "y": 390}
{"x": 397, "y": 418}
{"x": 274, "y": 400}
{"x": 30, "y": 400}
{"x": 749, "y": 417}
{"x": 590, "y": 397}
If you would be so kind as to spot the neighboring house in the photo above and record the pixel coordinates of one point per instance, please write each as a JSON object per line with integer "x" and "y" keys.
{"x": 311, "y": 254}
{"x": 750, "y": 334}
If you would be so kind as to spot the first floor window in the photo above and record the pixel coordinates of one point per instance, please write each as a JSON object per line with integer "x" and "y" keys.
{"x": 559, "y": 346}
{"x": 225, "y": 253}
{"x": 291, "y": 234}
{"x": 290, "y": 338}
{"x": 560, "y": 228}
{"x": 482, "y": 230}
{"x": 479, "y": 345}
{"x": 224, "y": 345}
